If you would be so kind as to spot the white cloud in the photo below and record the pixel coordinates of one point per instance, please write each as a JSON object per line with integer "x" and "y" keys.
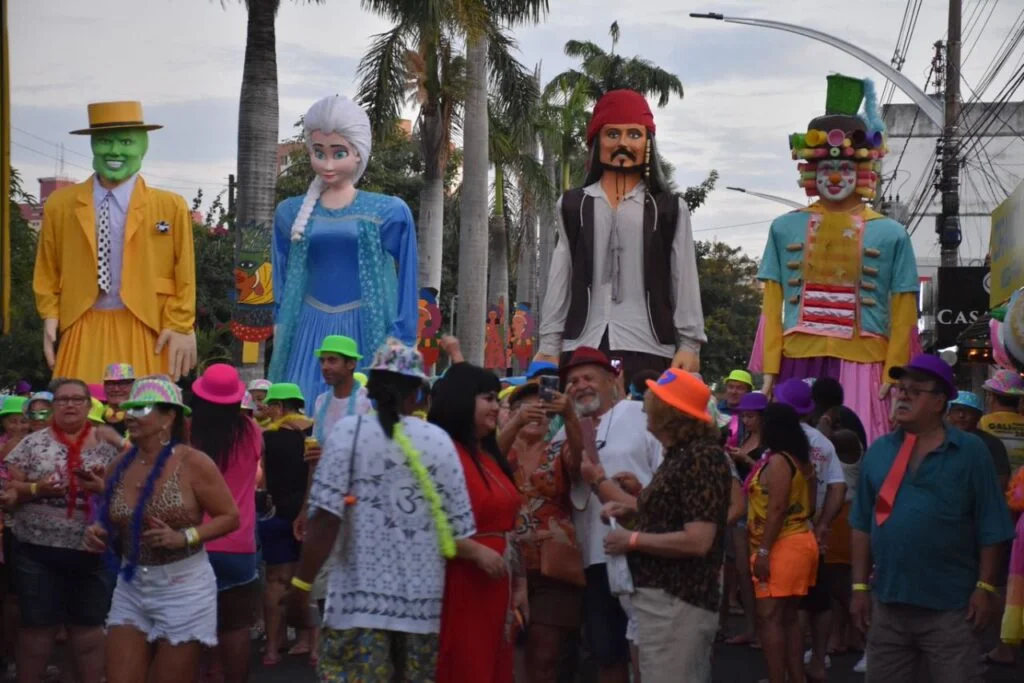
{"x": 746, "y": 88}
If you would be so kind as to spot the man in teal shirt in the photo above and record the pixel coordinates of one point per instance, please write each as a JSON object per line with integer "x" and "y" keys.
{"x": 936, "y": 555}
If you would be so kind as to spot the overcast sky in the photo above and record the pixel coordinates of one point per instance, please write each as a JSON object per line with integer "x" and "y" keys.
{"x": 746, "y": 88}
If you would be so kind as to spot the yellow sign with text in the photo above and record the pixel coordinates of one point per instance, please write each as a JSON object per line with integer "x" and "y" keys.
{"x": 1006, "y": 247}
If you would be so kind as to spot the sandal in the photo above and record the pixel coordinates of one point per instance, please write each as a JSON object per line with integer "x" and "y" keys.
{"x": 271, "y": 660}
{"x": 741, "y": 639}
{"x": 987, "y": 658}
{"x": 299, "y": 649}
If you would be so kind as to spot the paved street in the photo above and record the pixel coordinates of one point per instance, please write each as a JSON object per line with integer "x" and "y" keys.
{"x": 732, "y": 665}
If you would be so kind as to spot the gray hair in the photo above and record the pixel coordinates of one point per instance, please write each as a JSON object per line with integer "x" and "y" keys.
{"x": 338, "y": 114}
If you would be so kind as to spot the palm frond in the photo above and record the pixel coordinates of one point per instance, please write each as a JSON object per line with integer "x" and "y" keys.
{"x": 519, "y": 95}
{"x": 384, "y": 78}
{"x": 513, "y": 12}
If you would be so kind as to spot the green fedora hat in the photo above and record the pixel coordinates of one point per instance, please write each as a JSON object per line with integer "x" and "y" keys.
{"x": 12, "y": 405}
{"x": 284, "y": 391}
{"x": 339, "y": 345}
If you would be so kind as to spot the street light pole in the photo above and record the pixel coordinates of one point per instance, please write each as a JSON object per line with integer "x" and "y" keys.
{"x": 928, "y": 106}
{"x": 770, "y": 197}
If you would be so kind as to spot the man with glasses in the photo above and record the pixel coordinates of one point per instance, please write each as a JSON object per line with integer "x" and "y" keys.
{"x": 631, "y": 455}
{"x": 936, "y": 546}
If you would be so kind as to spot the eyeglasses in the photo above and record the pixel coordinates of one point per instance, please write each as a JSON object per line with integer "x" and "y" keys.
{"x": 139, "y": 412}
{"x": 71, "y": 400}
{"x": 913, "y": 392}
{"x": 40, "y": 415}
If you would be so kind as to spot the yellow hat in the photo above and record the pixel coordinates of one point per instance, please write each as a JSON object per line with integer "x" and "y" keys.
{"x": 741, "y": 376}
{"x": 96, "y": 411}
{"x": 115, "y": 116}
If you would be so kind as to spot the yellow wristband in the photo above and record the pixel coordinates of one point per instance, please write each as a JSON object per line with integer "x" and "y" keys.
{"x": 301, "y": 585}
{"x": 861, "y": 588}
{"x": 33, "y": 488}
{"x": 192, "y": 536}
{"x": 987, "y": 587}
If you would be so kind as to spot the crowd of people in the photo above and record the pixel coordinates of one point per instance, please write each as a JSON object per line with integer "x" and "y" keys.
{"x": 474, "y": 528}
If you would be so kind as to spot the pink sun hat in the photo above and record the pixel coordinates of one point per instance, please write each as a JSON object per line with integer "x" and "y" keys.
{"x": 97, "y": 392}
{"x": 219, "y": 384}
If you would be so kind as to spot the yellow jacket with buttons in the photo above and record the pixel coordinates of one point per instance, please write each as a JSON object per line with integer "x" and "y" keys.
{"x": 158, "y": 276}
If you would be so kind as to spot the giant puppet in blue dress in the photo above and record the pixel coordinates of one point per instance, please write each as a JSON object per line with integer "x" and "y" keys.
{"x": 344, "y": 260}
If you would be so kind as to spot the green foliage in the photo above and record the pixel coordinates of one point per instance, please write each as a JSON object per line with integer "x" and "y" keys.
{"x": 22, "y": 349}
{"x": 731, "y": 298}
{"x": 696, "y": 196}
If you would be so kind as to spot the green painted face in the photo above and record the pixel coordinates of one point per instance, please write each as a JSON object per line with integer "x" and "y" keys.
{"x": 117, "y": 154}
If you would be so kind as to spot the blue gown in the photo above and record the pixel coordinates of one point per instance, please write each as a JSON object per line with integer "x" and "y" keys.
{"x": 334, "y": 296}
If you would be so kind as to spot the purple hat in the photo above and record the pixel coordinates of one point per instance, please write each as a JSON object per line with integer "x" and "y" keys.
{"x": 752, "y": 402}
{"x": 928, "y": 366}
{"x": 795, "y": 393}
{"x": 22, "y": 387}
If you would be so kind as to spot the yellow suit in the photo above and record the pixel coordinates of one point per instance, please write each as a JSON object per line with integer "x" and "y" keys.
{"x": 158, "y": 280}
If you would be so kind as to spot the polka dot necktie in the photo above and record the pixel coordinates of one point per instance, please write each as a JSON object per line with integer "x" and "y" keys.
{"x": 103, "y": 244}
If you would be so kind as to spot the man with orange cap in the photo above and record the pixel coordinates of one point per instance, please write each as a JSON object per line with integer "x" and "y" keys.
{"x": 623, "y": 274}
{"x": 115, "y": 272}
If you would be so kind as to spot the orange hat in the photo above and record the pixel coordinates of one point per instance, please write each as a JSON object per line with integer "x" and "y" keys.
{"x": 684, "y": 392}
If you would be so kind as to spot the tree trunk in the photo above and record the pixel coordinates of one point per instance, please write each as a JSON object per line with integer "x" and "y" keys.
{"x": 497, "y": 253}
{"x": 548, "y": 227}
{"x": 431, "y": 218}
{"x": 257, "y": 139}
{"x": 472, "y": 302}
{"x": 526, "y": 270}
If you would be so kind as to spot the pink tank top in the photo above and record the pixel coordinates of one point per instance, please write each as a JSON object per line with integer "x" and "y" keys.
{"x": 240, "y": 476}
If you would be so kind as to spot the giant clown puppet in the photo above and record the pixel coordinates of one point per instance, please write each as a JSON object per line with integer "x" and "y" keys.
{"x": 115, "y": 274}
{"x": 840, "y": 280}
{"x": 335, "y": 251}
{"x": 623, "y": 274}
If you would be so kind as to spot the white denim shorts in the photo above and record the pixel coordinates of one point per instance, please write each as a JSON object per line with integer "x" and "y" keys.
{"x": 176, "y": 602}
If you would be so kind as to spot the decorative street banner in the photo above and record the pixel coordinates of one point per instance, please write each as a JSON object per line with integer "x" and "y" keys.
{"x": 520, "y": 339}
{"x": 963, "y": 297}
{"x": 1006, "y": 246}
{"x": 429, "y": 329}
{"x": 494, "y": 341}
{"x": 252, "y": 318}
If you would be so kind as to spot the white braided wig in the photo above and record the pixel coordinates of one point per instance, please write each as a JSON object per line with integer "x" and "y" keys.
{"x": 333, "y": 114}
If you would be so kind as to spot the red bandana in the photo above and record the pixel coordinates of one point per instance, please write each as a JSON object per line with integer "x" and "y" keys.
{"x": 620, "y": 106}
{"x": 74, "y": 461}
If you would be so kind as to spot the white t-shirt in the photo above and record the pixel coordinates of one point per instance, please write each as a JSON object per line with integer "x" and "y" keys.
{"x": 387, "y": 571}
{"x": 826, "y": 463}
{"x": 624, "y": 445}
{"x": 357, "y": 403}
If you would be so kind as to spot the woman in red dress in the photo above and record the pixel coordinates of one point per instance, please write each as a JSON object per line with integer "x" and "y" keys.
{"x": 481, "y": 592}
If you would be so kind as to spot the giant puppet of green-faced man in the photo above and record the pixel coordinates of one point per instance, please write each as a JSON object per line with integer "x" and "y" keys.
{"x": 115, "y": 277}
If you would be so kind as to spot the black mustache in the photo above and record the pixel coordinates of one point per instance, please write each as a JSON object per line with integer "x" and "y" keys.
{"x": 625, "y": 152}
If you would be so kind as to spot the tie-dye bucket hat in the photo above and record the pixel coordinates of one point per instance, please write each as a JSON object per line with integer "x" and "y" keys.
{"x": 154, "y": 390}
{"x": 119, "y": 372}
{"x": 394, "y": 356}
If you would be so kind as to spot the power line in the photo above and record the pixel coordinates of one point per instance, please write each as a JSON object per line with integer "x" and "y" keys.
{"x": 86, "y": 168}
{"x": 977, "y": 38}
{"x": 736, "y": 225}
{"x": 86, "y": 156}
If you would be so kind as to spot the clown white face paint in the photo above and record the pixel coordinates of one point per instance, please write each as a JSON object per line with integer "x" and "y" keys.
{"x": 334, "y": 159}
{"x": 836, "y": 179}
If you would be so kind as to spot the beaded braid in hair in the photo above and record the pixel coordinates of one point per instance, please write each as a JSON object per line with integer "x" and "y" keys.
{"x": 138, "y": 515}
{"x": 295, "y": 284}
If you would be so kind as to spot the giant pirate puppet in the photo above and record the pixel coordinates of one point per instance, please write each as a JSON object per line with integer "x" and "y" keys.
{"x": 840, "y": 280}
{"x": 623, "y": 274}
{"x": 115, "y": 277}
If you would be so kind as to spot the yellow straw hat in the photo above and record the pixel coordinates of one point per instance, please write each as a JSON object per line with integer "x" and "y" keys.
{"x": 115, "y": 116}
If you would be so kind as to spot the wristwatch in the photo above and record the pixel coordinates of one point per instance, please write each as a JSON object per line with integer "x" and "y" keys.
{"x": 763, "y": 552}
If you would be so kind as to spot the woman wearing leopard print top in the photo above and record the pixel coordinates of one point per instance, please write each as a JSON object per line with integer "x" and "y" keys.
{"x": 155, "y": 499}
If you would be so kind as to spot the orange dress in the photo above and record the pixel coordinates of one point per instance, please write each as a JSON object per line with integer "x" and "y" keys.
{"x": 474, "y": 643}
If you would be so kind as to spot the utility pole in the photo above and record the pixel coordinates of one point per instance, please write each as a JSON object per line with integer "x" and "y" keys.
{"x": 231, "y": 194}
{"x": 947, "y": 224}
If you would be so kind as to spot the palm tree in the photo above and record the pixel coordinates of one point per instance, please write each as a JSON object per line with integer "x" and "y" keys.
{"x": 603, "y": 71}
{"x": 257, "y": 138}
{"x": 487, "y": 51}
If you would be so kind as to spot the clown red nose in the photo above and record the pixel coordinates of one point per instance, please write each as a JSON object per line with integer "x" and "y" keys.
{"x": 620, "y": 106}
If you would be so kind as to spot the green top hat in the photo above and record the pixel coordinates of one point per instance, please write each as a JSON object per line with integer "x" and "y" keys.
{"x": 342, "y": 346}
{"x": 12, "y": 405}
{"x": 285, "y": 391}
{"x": 844, "y": 95}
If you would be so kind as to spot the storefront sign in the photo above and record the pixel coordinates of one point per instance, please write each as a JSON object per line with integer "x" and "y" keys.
{"x": 963, "y": 297}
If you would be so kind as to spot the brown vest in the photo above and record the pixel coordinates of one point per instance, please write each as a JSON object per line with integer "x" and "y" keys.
{"x": 661, "y": 212}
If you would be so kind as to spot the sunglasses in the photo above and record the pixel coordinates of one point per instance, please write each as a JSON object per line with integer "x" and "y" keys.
{"x": 40, "y": 415}
{"x": 139, "y": 412}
